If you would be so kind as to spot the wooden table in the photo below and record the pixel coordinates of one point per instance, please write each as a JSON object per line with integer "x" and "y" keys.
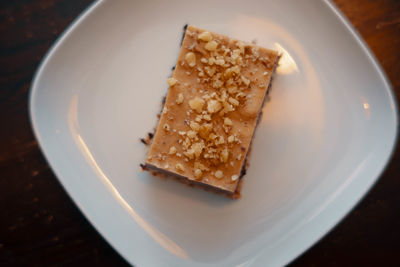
{"x": 40, "y": 225}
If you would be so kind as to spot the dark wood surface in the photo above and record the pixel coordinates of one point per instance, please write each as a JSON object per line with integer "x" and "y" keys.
{"x": 40, "y": 225}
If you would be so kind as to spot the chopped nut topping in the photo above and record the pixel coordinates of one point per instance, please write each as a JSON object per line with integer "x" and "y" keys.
{"x": 219, "y": 174}
{"x": 207, "y": 117}
{"x": 245, "y": 80}
{"x": 220, "y": 140}
{"x": 212, "y": 136}
{"x": 205, "y": 130}
{"x": 205, "y": 36}
{"x": 233, "y": 101}
{"x": 187, "y": 142}
{"x": 198, "y": 173}
{"x": 210, "y": 70}
{"x": 191, "y": 134}
{"x": 213, "y": 106}
{"x": 179, "y": 100}
{"x": 198, "y": 148}
{"x": 198, "y": 165}
{"x": 232, "y": 89}
{"x": 224, "y": 155}
{"x": 211, "y": 45}
{"x": 171, "y": 81}
{"x": 189, "y": 153}
{"x": 190, "y": 59}
{"x": 227, "y": 108}
{"x": 231, "y": 71}
{"x": 180, "y": 167}
{"x": 217, "y": 83}
{"x": 231, "y": 139}
{"x": 197, "y": 104}
{"x": 240, "y": 94}
{"x": 194, "y": 126}
{"x": 228, "y": 122}
{"x": 220, "y": 62}
{"x": 234, "y": 177}
{"x": 172, "y": 150}
{"x": 211, "y": 61}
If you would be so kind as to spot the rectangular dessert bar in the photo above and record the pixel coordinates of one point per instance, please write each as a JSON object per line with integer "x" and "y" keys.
{"x": 215, "y": 97}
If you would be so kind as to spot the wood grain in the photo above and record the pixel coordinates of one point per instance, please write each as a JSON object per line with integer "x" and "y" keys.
{"x": 41, "y": 226}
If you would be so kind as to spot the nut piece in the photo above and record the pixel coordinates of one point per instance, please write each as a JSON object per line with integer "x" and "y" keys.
{"x": 165, "y": 110}
{"x": 245, "y": 80}
{"x": 211, "y": 45}
{"x": 234, "y": 177}
{"x": 231, "y": 139}
{"x": 190, "y": 59}
{"x": 213, "y": 106}
{"x": 220, "y": 62}
{"x": 228, "y": 122}
{"x": 220, "y": 140}
{"x": 197, "y": 104}
{"x": 227, "y": 108}
{"x": 180, "y": 167}
{"x": 172, "y": 150}
{"x": 219, "y": 174}
{"x": 198, "y": 165}
{"x": 198, "y": 173}
{"x": 224, "y": 155}
{"x": 179, "y": 100}
{"x": 191, "y": 134}
{"x": 233, "y": 101}
{"x": 205, "y": 130}
{"x": 171, "y": 81}
{"x": 194, "y": 126}
{"x": 205, "y": 36}
{"x": 189, "y": 153}
{"x": 231, "y": 71}
{"x": 207, "y": 117}
{"x": 197, "y": 148}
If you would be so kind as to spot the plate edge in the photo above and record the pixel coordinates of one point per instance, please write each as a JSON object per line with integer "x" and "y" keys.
{"x": 368, "y": 52}
{"x": 31, "y": 99}
{"x": 357, "y": 37}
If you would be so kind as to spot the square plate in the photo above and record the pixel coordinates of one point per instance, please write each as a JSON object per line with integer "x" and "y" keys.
{"x": 327, "y": 132}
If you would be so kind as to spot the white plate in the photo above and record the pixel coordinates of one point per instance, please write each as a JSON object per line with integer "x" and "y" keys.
{"x": 324, "y": 139}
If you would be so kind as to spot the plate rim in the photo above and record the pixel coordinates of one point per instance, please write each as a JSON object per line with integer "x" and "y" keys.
{"x": 328, "y": 227}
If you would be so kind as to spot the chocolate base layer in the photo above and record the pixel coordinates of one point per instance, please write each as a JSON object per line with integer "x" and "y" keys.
{"x": 164, "y": 174}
